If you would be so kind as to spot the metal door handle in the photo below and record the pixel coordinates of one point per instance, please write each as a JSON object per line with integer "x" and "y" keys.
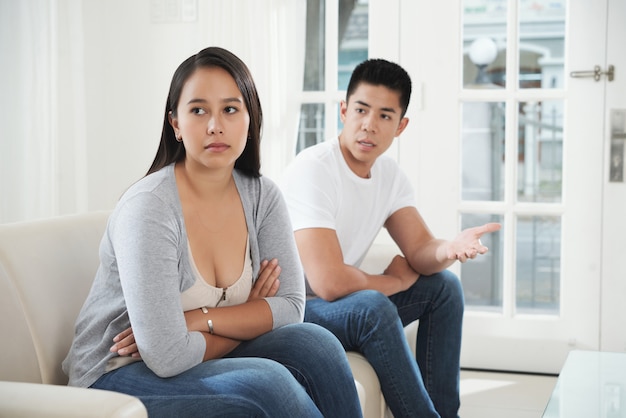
{"x": 596, "y": 73}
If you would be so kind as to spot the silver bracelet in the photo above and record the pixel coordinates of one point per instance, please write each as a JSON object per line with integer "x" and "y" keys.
{"x": 210, "y": 324}
{"x": 204, "y": 309}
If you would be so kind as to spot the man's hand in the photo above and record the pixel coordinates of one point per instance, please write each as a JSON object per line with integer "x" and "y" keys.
{"x": 267, "y": 283}
{"x": 400, "y": 268}
{"x": 467, "y": 244}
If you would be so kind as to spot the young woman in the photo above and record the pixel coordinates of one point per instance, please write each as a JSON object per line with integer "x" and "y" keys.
{"x": 199, "y": 257}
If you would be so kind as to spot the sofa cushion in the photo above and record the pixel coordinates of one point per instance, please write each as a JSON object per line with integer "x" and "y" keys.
{"x": 46, "y": 271}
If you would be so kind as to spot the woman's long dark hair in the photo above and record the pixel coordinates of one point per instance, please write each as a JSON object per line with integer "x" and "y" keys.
{"x": 170, "y": 150}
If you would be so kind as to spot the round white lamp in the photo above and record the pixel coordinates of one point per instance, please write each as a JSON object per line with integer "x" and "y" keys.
{"x": 482, "y": 52}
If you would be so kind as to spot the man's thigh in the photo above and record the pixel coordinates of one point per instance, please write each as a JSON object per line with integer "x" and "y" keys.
{"x": 426, "y": 294}
{"x": 352, "y": 316}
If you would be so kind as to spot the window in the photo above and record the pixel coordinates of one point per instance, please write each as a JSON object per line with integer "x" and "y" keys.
{"x": 336, "y": 41}
{"x": 512, "y": 149}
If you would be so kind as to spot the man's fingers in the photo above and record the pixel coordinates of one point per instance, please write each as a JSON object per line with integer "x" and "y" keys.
{"x": 489, "y": 227}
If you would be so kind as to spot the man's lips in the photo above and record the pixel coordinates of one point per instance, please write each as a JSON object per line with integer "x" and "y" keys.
{"x": 366, "y": 143}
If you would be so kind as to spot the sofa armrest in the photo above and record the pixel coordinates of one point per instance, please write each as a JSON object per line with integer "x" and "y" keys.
{"x": 19, "y": 399}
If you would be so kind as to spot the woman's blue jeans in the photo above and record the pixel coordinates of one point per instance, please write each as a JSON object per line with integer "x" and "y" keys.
{"x": 371, "y": 323}
{"x": 298, "y": 370}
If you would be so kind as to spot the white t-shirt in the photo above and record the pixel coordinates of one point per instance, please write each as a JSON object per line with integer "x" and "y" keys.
{"x": 322, "y": 192}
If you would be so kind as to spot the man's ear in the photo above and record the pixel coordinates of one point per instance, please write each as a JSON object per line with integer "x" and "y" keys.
{"x": 402, "y": 126}
{"x": 343, "y": 108}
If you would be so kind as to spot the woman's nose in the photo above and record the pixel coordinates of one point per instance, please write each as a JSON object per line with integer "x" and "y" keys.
{"x": 214, "y": 126}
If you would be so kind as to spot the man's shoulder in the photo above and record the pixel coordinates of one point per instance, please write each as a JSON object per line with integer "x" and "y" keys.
{"x": 319, "y": 151}
{"x": 317, "y": 159}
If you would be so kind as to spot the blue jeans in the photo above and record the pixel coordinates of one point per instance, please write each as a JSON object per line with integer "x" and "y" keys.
{"x": 298, "y": 370}
{"x": 373, "y": 324}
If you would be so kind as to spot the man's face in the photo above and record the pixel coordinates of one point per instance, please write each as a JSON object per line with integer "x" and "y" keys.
{"x": 371, "y": 120}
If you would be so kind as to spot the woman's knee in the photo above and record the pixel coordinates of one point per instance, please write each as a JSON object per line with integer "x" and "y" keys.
{"x": 312, "y": 341}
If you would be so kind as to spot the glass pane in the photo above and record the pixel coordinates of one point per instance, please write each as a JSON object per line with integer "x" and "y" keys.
{"x": 315, "y": 42}
{"x": 540, "y": 151}
{"x": 311, "y": 129}
{"x": 541, "y": 43}
{"x": 482, "y": 148}
{"x": 484, "y": 43}
{"x": 353, "y": 38}
{"x": 538, "y": 266}
{"x": 482, "y": 277}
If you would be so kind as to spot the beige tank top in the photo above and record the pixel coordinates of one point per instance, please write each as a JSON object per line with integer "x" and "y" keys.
{"x": 203, "y": 294}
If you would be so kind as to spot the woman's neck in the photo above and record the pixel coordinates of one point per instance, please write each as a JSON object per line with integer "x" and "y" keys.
{"x": 204, "y": 183}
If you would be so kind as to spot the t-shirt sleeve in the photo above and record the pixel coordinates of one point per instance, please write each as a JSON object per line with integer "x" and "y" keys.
{"x": 310, "y": 193}
{"x": 404, "y": 195}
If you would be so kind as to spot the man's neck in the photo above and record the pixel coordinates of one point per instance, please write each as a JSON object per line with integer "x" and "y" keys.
{"x": 359, "y": 168}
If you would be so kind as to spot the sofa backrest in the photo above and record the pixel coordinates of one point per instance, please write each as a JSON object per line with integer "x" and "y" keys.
{"x": 46, "y": 270}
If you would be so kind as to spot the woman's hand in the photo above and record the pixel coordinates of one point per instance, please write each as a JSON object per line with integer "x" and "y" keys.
{"x": 267, "y": 283}
{"x": 125, "y": 344}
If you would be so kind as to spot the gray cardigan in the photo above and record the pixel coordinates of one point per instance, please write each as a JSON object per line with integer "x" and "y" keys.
{"x": 144, "y": 267}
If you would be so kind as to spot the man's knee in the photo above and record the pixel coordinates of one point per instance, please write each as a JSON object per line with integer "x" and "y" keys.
{"x": 453, "y": 288}
{"x": 376, "y": 305}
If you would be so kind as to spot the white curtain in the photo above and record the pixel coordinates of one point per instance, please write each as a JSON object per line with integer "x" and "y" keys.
{"x": 270, "y": 38}
{"x": 41, "y": 146}
{"x": 84, "y": 85}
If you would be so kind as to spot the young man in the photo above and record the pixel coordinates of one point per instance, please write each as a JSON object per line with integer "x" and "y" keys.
{"x": 340, "y": 193}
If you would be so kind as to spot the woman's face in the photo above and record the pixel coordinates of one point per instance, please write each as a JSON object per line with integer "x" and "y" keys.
{"x": 212, "y": 119}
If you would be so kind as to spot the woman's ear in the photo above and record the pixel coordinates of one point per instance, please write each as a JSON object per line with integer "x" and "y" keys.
{"x": 173, "y": 122}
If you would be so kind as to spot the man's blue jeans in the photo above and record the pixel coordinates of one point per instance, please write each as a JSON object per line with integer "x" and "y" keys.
{"x": 371, "y": 323}
{"x": 298, "y": 370}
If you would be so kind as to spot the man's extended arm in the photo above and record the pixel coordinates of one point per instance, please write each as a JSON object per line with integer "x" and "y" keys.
{"x": 330, "y": 278}
{"x": 427, "y": 254}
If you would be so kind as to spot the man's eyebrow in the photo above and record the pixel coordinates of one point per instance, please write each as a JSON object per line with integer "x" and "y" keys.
{"x": 383, "y": 109}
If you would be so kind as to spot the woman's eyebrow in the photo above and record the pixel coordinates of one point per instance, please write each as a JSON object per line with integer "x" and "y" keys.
{"x": 226, "y": 100}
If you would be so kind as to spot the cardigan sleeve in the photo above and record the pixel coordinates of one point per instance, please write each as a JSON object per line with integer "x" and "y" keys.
{"x": 146, "y": 237}
{"x": 274, "y": 239}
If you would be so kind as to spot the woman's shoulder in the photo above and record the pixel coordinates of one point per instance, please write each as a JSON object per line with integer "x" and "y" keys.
{"x": 153, "y": 182}
{"x": 154, "y": 191}
{"x": 260, "y": 184}
{"x": 260, "y": 193}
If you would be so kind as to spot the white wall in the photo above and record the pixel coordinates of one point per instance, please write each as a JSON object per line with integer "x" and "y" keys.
{"x": 613, "y": 308}
{"x": 129, "y": 64}
{"x": 84, "y": 87}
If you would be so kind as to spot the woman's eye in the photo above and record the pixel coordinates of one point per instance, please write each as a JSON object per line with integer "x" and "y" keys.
{"x": 198, "y": 111}
{"x": 230, "y": 109}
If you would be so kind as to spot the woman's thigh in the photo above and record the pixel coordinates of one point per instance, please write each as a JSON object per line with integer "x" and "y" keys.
{"x": 233, "y": 387}
{"x": 316, "y": 359}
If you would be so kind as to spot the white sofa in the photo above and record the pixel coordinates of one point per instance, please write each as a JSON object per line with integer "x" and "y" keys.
{"x": 46, "y": 269}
